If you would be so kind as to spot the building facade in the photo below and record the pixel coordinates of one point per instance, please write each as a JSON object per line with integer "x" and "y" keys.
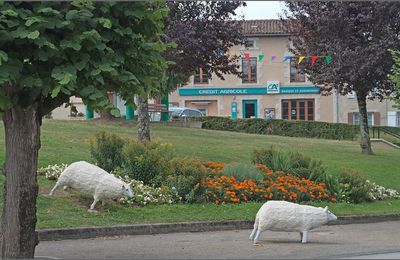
{"x": 273, "y": 86}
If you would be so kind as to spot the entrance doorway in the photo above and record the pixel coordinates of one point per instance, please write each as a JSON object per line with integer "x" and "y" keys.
{"x": 249, "y": 108}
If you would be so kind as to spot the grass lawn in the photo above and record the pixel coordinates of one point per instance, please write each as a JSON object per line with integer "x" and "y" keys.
{"x": 66, "y": 142}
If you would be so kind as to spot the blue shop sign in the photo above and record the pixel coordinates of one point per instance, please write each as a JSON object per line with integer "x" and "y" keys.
{"x": 221, "y": 91}
{"x": 246, "y": 91}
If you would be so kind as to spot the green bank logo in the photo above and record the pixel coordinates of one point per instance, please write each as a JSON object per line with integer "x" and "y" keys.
{"x": 273, "y": 87}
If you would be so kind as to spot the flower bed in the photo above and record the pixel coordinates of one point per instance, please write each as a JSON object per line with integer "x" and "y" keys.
{"x": 276, "y": 185}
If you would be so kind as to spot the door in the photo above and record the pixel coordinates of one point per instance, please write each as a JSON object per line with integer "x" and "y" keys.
{"x": 249, "y": 108}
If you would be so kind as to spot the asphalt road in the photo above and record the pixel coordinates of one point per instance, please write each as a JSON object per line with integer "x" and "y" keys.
{"x": 375, "y": 240}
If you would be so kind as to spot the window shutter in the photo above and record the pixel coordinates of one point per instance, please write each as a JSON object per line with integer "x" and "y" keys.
{"x": 377, "y": 118}
{"x": 350, "y": 118}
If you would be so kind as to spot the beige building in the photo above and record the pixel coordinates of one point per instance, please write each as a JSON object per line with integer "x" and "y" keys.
{"x": 272, "y": 87}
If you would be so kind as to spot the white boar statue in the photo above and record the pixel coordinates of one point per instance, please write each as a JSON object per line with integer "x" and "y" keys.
{"x": 291, "y": 217}
{"x": 93, "y": 180}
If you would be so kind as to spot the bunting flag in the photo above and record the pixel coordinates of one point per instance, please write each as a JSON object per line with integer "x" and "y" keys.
{"x": 313, "y": 59}
{"x": 328, "y": 59}
{"x": 286, "y": 58}
{"x": 247, "y": 57}
{"x": 301, "y": 58}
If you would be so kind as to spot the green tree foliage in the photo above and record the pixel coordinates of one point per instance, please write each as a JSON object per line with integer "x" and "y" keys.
{"x": 50, "y": 51}
{"x": 395, "y": 76}
{"x": 357, "y": 35}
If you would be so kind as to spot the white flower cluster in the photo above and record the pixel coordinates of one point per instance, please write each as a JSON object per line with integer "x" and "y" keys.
{"x": 378, "y": 192}
{"x": 144, "y": 194}
{"x": 52, "y": 172}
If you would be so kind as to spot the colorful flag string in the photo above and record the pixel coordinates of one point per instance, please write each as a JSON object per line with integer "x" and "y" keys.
{"x": 274, "y": 58}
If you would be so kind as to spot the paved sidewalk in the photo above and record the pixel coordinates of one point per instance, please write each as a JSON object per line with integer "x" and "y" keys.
{"x": 335, "y": 241}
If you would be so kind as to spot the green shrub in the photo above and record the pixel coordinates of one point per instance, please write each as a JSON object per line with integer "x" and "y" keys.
{"x": 262, "y": 156}
{"x": 52, "y": 172}
{"x": 296, "y": 163}
{"x": 242, "y": 172}
{"x": 310, "y": 129}
{"x": 106, "y": 149}
{"x": 186, "y": 177}
{"x": 145, "y": 161}
{"x": 144, "y": 194}
{"x": 277, "y": 160}
{"x": 353, "y": 188}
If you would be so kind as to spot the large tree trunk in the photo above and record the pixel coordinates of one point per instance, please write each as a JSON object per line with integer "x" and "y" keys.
{"x": 365, "y": 142}
{"x": 18, "y": 238}
{"x": 143, "y": 131}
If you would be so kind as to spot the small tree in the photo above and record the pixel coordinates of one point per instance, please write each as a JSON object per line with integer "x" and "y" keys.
{"x": 50, "y": 51}
{"x": 357, "y": 36}
{"x": 395, "y": 77}
{"x": 203, "y": 33}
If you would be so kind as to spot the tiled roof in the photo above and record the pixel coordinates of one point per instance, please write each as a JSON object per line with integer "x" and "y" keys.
{"x": 266, "y": 27}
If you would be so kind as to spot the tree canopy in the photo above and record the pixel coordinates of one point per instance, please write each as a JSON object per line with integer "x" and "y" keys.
{"x": 357, "y": 35}
{"x": 203, "y": 33}
{"x": 50, "y": 51}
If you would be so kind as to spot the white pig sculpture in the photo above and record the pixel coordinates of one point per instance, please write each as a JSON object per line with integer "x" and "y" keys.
{"x": 93, "y": 180}
{"x": 290, "y": 217}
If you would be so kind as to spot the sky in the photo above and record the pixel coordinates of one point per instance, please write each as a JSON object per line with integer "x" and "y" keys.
{"x": 261, "y": 9}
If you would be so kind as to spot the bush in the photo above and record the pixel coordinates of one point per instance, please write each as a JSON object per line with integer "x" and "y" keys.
{"x": 144, "y": 194}
{"x": 297, "y": 164}
{"x": 106, "y": 149}
{"x": 263, "y": 156}
{"x": 274, "y": 159}
{"x": 186, "y": 175}
{"x": 242, "y": 172}
{"x": 310, "y": 129}
{"x": 378, "y": 192}
{"x": 52, "y": 172}
{"x": 353, "y": 188}
{"x": 146, "y": 161}
{"x": 300, "y": 165}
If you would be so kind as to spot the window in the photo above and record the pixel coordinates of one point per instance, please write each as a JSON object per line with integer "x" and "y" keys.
{"x": 296, "y": 71}
{"x": 249, "y": 43}
{"x": 398, "y": 119}
{"x": 186, "y": 113}
{"x": 356, "y": 118}
{"x": 298, "y": 109}
{"x": 204, "y": 111}
{"x": 194, "y": 113}
{"x": 200, "y": 77}
{"x": 249, "y": 70}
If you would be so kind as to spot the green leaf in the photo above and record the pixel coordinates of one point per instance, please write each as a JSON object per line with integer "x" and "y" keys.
{"x": 33, "y": 35}
{"x": 106, "y": 67}
{"x": 70, "y": 44}
{"x": 56, "y": 91}
{"x": 32, "y": 20}
{"x": 3, "y": 56}
{"x": 105, "y": 22}
{"x": 9, "y": 12}
{"x": 64, "y": 74}
{"x": 115, "y": 112}
{"x": 48, "y": 10}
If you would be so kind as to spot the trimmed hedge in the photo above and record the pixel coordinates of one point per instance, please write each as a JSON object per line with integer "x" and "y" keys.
{"x": 310, "y": 129}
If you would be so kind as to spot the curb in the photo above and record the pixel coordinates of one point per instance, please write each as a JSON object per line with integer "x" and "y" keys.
{"x": 163, "y": 228}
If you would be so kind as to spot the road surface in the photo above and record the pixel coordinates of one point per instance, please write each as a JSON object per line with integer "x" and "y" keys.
{"x": 375, "y": 240}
